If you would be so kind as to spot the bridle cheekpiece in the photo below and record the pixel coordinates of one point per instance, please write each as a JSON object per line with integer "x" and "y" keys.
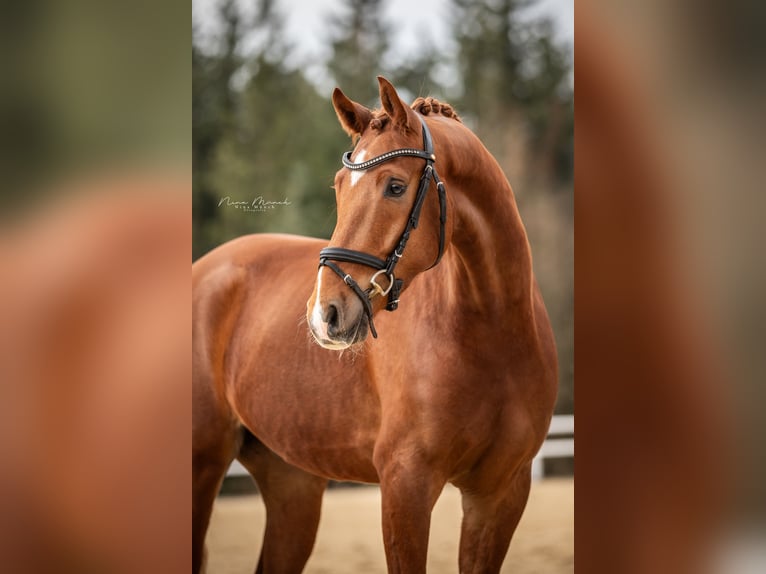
{"x": 329, "y": 255}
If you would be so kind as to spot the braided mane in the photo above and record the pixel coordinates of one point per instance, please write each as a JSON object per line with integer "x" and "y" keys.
{"x": 431, "y": 105}
{"x": 424, "y": 106}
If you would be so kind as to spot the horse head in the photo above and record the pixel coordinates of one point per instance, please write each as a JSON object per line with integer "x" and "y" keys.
{"x": 384, "y": 205}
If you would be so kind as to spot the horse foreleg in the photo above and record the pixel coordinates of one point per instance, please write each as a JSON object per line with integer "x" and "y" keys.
{"x": 409, "y": 492}
{"x": 489, "y": 521}
{"x": 208, "y": 469}
{"x": 293, "y": 500}
{"x": 215, "y": 440}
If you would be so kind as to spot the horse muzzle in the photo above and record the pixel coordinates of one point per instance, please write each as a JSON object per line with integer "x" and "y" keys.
{"x": 337, "y": 326}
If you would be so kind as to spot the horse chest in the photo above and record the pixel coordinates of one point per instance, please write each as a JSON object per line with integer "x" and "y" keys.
{"x": 330, "y": 425}
{"x": 325, "y": 423}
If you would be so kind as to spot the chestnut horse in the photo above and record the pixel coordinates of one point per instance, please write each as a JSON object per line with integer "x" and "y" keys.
{"x": 458, "y": 386}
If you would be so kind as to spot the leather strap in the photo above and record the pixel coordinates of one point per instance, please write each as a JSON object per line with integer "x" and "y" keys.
{"x": 442, "y": 218}
{"x": 351, "y": 256}
{"x": 370, "y": 163}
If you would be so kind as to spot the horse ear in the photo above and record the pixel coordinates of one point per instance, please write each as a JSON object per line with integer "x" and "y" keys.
{"x": 353, "y": 117}
{"x": 398, "y": 111}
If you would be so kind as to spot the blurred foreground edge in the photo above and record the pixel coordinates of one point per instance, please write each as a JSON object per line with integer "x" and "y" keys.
{"x": 94, "y": 369}
{"x": 653, "y": 455}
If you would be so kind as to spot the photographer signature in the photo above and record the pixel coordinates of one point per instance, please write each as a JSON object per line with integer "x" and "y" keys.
{"x": 257, "y": 204}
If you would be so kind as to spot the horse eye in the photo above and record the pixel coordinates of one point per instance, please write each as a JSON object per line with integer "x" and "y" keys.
{"x": 395, "y": 189}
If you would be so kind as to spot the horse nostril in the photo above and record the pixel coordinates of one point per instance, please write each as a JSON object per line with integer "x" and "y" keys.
{"x": 332, "y": 318}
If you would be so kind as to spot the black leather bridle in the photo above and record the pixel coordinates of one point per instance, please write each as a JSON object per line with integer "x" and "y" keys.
{"x": 329, "y": 255}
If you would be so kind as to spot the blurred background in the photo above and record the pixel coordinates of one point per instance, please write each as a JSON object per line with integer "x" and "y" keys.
{"x": 89, "y": 89}
{"x": 670, "y": 275}
{"x": 264, "y": 126}
{"x": 95, "y": 240}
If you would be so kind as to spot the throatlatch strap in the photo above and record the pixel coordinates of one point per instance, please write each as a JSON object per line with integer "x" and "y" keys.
{"x": 442, "y": 218}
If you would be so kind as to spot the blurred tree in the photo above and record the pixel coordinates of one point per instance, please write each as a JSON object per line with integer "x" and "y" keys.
{"x": 213, "y": 103}
{"x": 206, "y": 131}
{"x": 549, "y": 104}
{"x": 285, "y": 147}
{"x": 490, "y": 54}
{"x": 513, "y": 73}
{"x": 415, "y": 76}
{"x": 360, "y": 40}
{"x": 279, "y": 141}
{"x": 230, "y": 61}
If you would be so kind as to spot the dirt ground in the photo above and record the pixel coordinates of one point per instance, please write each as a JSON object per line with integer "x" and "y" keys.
{"x": 349, "y": 539}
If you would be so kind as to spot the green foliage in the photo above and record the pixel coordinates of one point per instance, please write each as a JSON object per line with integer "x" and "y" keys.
{"x": 213, "y": 103}
{"x": 272, "y": 139}
{"x": 491, "y": 52}
{"x": 284, "y": 145}
{"x": 206, "y": 132}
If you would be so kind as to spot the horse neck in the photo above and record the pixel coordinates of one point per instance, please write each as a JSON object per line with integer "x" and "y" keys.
{"x": 489, "y": 265}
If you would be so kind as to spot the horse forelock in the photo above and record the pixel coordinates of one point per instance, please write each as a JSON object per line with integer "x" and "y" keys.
{"x": 380, "y": 120}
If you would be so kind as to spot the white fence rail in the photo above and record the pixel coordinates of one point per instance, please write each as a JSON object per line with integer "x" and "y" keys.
{"x": 236, "y": 469}
{"x": 560, "y": 443}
